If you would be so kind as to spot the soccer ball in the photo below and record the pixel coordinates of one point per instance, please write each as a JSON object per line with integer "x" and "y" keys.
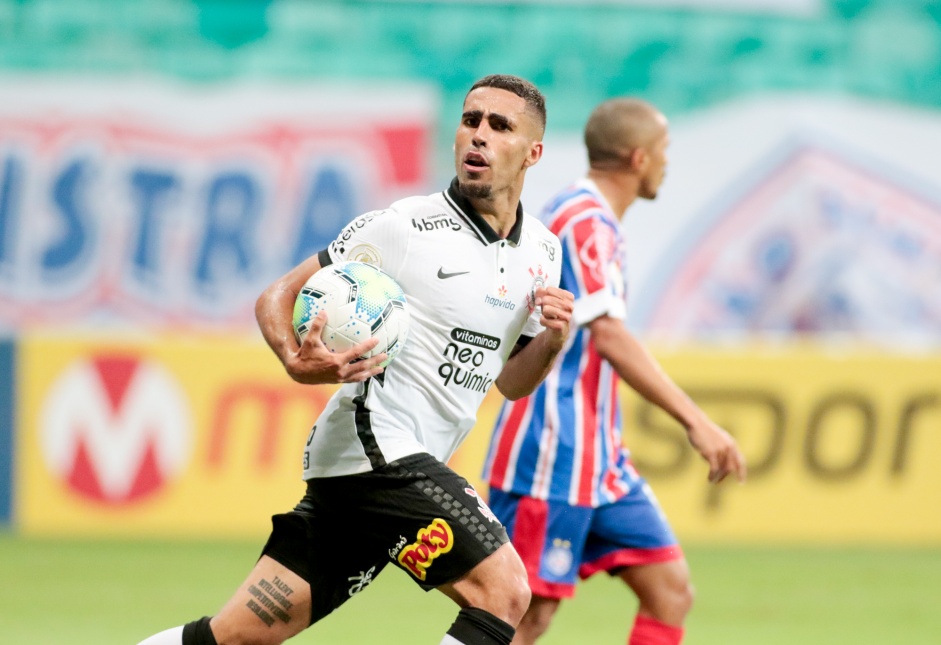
{"x": 361, "y": 302}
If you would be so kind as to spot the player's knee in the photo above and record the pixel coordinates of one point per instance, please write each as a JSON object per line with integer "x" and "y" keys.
{"x": 690, "y": 596}
{"x": 507, "y": 594}
{"x": 684, "y": 594}
{"x": 498, "y": 585}
{"x": 520, "y": 601}
{"x": 518, "y": 593}
{"x": 510, "y": 599}
{"x": 665, "y": 591}
{"x": 676, "y": 594}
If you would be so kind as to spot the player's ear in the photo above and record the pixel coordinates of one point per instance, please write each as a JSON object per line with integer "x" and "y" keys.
{"x": 639, "y": 159}
{"x": 535, "y": 154}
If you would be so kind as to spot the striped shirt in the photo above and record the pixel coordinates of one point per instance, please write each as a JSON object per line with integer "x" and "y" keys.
{"x": 563, "y": 442}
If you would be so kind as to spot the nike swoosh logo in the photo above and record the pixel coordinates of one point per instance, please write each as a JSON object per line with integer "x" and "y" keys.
{"x": 444, "y": 276}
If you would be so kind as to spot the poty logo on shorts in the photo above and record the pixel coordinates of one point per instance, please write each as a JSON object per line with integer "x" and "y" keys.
{"x": 433, "y": 541}
{"x": 116, "y": 429}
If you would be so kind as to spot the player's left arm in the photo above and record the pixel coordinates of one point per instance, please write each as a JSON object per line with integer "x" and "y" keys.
{"x": 530, "y": 364}
{"x": 309, "y": 362}
{"x": 639, "y": 369}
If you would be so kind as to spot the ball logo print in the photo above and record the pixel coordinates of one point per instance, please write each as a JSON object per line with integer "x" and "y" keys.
{"x": 116, "y": 429}
{"x": 361, "y": 302}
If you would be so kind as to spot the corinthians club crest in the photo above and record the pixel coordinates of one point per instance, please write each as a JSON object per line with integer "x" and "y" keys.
{"x": 539, "y": 281}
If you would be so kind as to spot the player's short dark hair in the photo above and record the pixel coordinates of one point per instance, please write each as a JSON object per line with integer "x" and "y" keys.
{"x": 519, "y": 86}
{"x": 616, "y": 127}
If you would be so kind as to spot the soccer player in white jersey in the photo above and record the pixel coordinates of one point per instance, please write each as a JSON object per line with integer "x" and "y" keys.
{"x": 560, "y": 478}
{"x": 481, "y": 280}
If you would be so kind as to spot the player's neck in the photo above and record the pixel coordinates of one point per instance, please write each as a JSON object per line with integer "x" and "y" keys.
{"x": 618, "y": 188}
{"x": 499, "y": 211}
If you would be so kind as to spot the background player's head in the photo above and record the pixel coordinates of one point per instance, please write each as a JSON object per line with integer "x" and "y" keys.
{"x": 629, "y": 135}
{"x": 500, "y": 135}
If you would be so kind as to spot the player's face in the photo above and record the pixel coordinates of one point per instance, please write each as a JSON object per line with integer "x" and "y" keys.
{"x": 497, "y": 140}
{"x": 656, "y": 166}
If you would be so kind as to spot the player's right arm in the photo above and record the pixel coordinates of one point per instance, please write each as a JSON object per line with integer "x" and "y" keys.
{"x": 639, "y": 369}
{"x": 310, "y": 362}
{"x": 529, "y": 364}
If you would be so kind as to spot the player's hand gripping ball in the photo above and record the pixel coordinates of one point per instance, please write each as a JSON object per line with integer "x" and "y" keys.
{"x": 361, "y": 302}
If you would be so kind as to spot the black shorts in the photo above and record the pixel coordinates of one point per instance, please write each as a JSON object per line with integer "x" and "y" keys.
{"x": 415, "y": 512}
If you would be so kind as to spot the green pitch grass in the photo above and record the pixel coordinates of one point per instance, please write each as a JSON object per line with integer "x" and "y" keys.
{"x": 117, "y": 593}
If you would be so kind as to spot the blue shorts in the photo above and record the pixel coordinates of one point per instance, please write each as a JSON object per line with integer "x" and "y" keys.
{"x": 558, "y": 542}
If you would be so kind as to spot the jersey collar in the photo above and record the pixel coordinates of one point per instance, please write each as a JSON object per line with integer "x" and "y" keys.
{"x": 475, "y": 220}
{"x": 607, "y": 212}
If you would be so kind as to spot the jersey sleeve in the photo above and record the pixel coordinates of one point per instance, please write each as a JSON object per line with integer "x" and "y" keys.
{"x": 378, "y": 237}
{"x": 592, "y": 257}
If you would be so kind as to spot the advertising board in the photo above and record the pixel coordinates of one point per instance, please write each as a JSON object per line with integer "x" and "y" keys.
{"x": 204, "y": 437}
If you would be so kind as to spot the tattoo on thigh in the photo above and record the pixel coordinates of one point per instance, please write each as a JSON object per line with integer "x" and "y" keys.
{"x": 271, "y": 600}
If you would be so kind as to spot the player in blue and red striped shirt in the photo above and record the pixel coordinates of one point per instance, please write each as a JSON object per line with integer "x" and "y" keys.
{"x": 560, "y": 478}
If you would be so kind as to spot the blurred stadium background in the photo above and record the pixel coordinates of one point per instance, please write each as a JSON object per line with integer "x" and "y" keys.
{"x": 161, "y": 161}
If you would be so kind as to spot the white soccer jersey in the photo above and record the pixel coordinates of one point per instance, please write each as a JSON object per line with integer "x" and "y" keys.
{"x": 470, "y": 296}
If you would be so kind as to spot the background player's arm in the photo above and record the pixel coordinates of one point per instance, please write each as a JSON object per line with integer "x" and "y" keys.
{"x": 639, "y": 369}
{"x": 528, "y": 366}
{"x": 310, "y": 362}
